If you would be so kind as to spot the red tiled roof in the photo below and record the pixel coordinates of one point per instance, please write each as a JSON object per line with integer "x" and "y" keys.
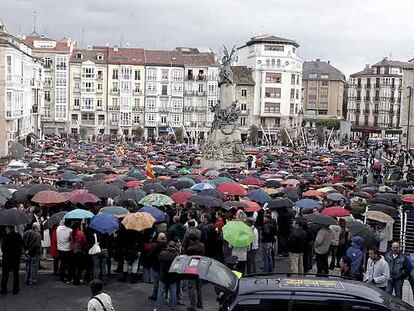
{"x": 90, "y": 55}
{"x": 199, "y": 60}
{"x": 128, "y": 56}
{"x": 164, "y": 58}
{"x": 61, "y": 46}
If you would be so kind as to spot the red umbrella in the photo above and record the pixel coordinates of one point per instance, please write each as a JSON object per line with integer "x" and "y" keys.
{"x": 181, "y": 196}
{"x": 48, "y": 197}
{"x": 312, "y": 193}
{"x": 336, "y": 211}
{"x": 251, "y": 206}
{"x": 231, "y": 188}
{"x": 252, "y": 181}
{"x": 133, "y": 184}
{"x": 83, "y": 197}
{"x": 408, "y": 198}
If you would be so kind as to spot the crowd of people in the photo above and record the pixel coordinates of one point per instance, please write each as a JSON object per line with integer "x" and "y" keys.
{"x": 316, "y": 208}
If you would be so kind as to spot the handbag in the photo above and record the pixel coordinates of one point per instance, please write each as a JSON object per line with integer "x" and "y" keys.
{"x": 95, "y": 249}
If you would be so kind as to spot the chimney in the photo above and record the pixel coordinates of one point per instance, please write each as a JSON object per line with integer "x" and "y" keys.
{"x": 329, "y": 62}
{"x": 68, "y": 42}
{"x": 115, "y": 48}
{"x": 318, "y": 60}
{"x": 366, "y": 66}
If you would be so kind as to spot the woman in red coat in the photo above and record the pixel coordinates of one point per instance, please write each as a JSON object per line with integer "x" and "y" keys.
{"x": 53, "y": 250}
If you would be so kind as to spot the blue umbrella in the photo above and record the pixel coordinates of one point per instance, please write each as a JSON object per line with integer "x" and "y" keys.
{"x": 308, "y": 204}
{"x": 259, "y": 196}
{"x": 78, "y": 214}
{"x": 203, "y": 186}
{"x": 155, "y": 212}
{"x": 4, "y": 180}
{"x": 104, "y": 223}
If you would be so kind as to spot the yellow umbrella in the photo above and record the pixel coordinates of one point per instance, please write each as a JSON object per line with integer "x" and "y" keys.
{"x": 138, "y": 221}
{"x": 326, "y": 189}
{"x": 271, "y": 191}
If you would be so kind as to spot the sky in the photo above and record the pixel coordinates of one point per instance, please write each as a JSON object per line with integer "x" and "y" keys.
{"x": 349, "y": 33}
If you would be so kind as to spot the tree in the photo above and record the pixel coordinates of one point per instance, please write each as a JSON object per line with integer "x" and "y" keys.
{"x": 329, "y": 124}
{"x": 320, "y": 135}
{"x": 283, "y": 137}
{"x": 254, "y": 134}
{"x": 83, "y": 131}
{"x": 179, "y": 135}
{"x": 139, "y": 133}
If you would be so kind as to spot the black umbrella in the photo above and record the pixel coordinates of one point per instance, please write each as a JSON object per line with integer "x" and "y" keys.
{"x": 104, "y": 170}
{"x": 180, "y": 184}
{"x": 132, "y": 194}
{"x": 367, "y": 234}
{"x": 35, "y": 188}
{"x": 54, "y": 220}
{"x": 391, "y": 197}
{"x": 13, "y": 217}
{"x": 271, "y": 183}
{"x": 360, "y": 195}
{"x": 321, "y": 219}
{"x": 279, "y": 203}
{"x": 12, "y": 174}
{"x": 205, "y": 201}
{"x": 104, "y": 191}
{"x": 213, "y": 193}
{"x": 136, "y": 174}
{"x": 155, "y": 187}
{"x": 170, "y": 191}
{"x": 389, "y": 210}
{"x": 119, "y": 182}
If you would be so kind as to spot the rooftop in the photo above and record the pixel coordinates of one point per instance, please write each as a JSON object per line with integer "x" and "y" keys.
{"x": 127, "y": 56}
{"x": 321, "y": 67}
{"x": 89, "y": 54}
{"x": 164, "y": 58}
{"x": 62, "y": 45}
{"x": 271, "y": 39}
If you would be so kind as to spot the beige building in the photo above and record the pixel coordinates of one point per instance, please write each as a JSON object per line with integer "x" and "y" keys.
{"x": 243, "y": 80}
{"x": 322, "y": 91}
{"x": 88, "y": 77}
{"x": 407, "y": 105}
{"x": 21, "y": 92}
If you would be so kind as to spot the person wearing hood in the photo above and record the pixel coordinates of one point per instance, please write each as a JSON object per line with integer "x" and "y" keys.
{"x": 355, "y": 253}
{"x": 153, "y": 255}
{"x": 192, "y": 231}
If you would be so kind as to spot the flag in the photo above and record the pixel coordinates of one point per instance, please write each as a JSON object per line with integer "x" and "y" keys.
{"x": 149, "y": 173}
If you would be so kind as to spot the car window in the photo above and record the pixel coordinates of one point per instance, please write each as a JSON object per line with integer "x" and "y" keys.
{"x": 262, "y": 305}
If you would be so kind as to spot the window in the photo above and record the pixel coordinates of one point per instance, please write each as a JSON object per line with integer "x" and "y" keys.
{"x": 313, "y": 76}
{"x": 325, "y": 83}
{"x": 60, "y": 112}
{"x": 99, "y": 56}
{"x": 47, "y": 96}
{"x": 9, "y": 104}
{"x": 99, "y": 86}
{"x": 136, "y": 118}
{"x": 137, "y": 75}
{"x": 101, "y": 117}
{"x": 292, "y": 93}
{"x": 164, "y": 90}
{"x": 87, "y": 104}
{"x": 243, "y": 106}
{"x": 163, "y": 119}
{"x": 48, "y": 62}
{"x": 177, "y": 76}
{"x": 272, "y": 108}
{"x": 151, "y": 75}
{"x": 201, "y": 88}
{"x": 115, "y": 86}
{"x": 61, "y": 79}
{"x": 325, "y": 76}
{"x": 273, "y": 77}
{"x": 115, "y": 74}
{"x": 164, "y": 75}
{"x": 272, "y": 92}
{"x": 262, "y": 121}
{"x": 151, "y": 88}
{"x": 126, "y": 86}
{"x": 74, "y": 117}
{"x": 100, "y": 74}
{"x": 61, "y": 64}
{"x": 244, "y": 93}
{"x": 137, "y": 87}
{"x": 76, "y": 103}
{"x": 124, "y": 103}
{"x": 150, "y": 104}
{"x": 297, "y": 94}
{"x": 293, "y": 79}
{"x": 88, "y": 72}
{"x": 88, "y": 87}
{"x": 278, "y": 48}
{"x": 99, "y": 103}
{"x": 242, "y": 121}
{"x": 126, "y": 73}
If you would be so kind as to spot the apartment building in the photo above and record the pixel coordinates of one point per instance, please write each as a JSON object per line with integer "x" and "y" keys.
{"x": 164, "y": 92}
{"x": 277, "y": 73}
{"x": 323, "y": 91}
{"x": 407, "y": 107}
{"x": 21, "y": 91}
{"x": 55, "y": 55}
{"x": 375, "y": 99}
{"x": 200, "y": 90}
{"x": 244, "y": 95}
{"x": 88, "y": 91}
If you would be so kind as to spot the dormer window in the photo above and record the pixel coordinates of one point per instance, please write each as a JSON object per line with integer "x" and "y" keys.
{"x": 78, "y": 56}
{"x": 99, "y": 56}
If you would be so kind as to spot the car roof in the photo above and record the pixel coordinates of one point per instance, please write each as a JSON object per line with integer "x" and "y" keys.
{"x": 310, "y": 284}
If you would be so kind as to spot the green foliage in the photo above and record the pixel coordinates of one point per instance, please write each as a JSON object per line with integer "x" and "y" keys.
{"x": 254, "y": 134}
{"x": 179, "y": 135}
{"x": 328, "y": 124}
{"x": 83, "y": 131}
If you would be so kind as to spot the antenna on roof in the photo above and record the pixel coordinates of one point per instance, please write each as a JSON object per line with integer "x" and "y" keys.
{"x": 390, "y": 55}
{"x": 120, "y": 42}
{"x": 82, "y": 37}
{"x": 34, "y": 21}
{"x": 163, "y": 43}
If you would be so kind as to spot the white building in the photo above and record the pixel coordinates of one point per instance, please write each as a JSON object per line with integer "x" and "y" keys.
{"x": 21, "y": 91}
{"x": 164, "y": 92}
{"x": 277, "y": 72}
{"x": 55, "y": 55}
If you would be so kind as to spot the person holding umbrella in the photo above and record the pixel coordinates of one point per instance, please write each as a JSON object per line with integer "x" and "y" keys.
{"x": 268, "y": 238}
{"x": 12, "y": 250}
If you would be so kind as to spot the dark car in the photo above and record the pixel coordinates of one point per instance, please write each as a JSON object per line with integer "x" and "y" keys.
{"x": 284, "y": 292}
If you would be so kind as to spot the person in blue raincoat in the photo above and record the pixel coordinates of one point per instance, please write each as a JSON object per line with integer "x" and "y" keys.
{"x": 355, "y": 253}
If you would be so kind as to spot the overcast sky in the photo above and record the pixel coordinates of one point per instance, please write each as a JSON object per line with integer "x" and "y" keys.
{"x": 350, "y": 33}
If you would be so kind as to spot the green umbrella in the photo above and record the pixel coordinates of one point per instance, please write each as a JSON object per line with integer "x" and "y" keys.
{"x": 220, "y": 180}
{"x": 187, "y": 179}
{"x": 156, "y": 199}
{"x": 184, "y": 171}
{"x": 4, "y": 192}
{"x": 238, "y": 234}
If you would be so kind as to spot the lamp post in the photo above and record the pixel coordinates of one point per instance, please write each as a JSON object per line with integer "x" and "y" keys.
{"x": 409, "y": 117}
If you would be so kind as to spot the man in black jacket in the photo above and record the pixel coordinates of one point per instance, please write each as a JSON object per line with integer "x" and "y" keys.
{"x": 268, "y": 237}
{"x": 32, "y": 241}
{"x": 12, "y": 251}
{"x": 167, "y": 280}
{"x": 208, "y": 235}
{"x": 297, "y": 244}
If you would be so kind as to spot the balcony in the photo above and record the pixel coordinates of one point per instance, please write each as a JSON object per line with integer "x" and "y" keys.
{"x": 201, "y": 109}
{"x": 368, "y": 85}
{"x": 377, "y": 99}
{"x": 358, "y": 99}
{"x": 137, "y": 92}
{"x": 113, "y": 108}
{"x": 99, "y": 91}
{"x": 98, "y": 108}
{"x": 99, "y": 77}
{"x": 76, "y": 108}
{"x": 76, "y": 75}
{"x": 359, "y": 86}
{"x": 114, "y": 92}
{"x": 163, "y": 109}
{"x": 137, "y": 109}
{"x": 377, "y": 86}
{"x": 88, "y": 122}
{"x": 189, "y": 108}
{"x": 375, "y": 111}
{"x": 358, "y": 110}
{"x": 76, "y": 90}
{"x": 366, "y": 111}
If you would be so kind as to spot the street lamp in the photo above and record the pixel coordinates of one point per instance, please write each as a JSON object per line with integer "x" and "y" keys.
{"x": 409, "y": 116}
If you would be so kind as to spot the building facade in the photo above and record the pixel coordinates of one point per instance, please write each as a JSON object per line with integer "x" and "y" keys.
{"x": 407, "y": 105}
{"x": 244, "y": 95}
{"x": 375, "y": 100}
{"x": 277, "y": 73}
{"x": 323, "y": 92}
{"x": 21, "y": 91}
{"x": 55, "y": 55}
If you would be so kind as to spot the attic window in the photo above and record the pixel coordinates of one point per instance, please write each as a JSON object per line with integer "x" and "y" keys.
{"x": 79, "y": 56}
{"x": 99, "y": 56}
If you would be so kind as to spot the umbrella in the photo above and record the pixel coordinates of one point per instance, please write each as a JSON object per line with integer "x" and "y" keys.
{"x": 48, "y": 197}
{"x": 181, "y": 196}
{"x": 133, "y": 184}
{"x": 78, "y": 214}
{"x": 39, "y": 187}
{"x": 153, "y": 187}
{"x": 20, "y": 196}
{"x": 273, "y": 183}
{"x": 335, "y": 196}
{"x": 336, "y": 211}
{"x": 4, "y": 180}
{"x": 212, "y": 173}
{"x": 361, "y": 194}
{"x": 104, "y": 223}
{"x": 212, "y": 193}
{"x": 290, "y": 182}
{"x": 156, "y": 199}
{"x": 138, "y": 221}
{"x": 367, "y": 234}
{"x": 258, "y": 196}
{"x": 231, "y": 188}
{"x": 104, "y": 191}
{"x": 379, "y": 216}
{"x": 391, "y": 197}
{"x": 321, "y": 219}
{"x": 408, "y": 198}
{"x": 280, "y": 203}
{"x": 248, "y": 206}
{"x": 132, "y": 194}
{"x": 308, "y": 204}
{"x": 13, "y": 217}
{"x": 221, "y": 179}
{"x": 155, "y": 212}
{"x": 206, "y": 201}
{"x": 4, "y": 192}
{"x": 117, "y": 211}
{"x": 252, "y": 181}
{"x": 83, "y": 197}
{"x": 203, "y": 186}
{"x": 312, "y": 193}
{"x": 389, "y": 210}
{"x": 54, "y": 220}
{"x": 237, "y": 233}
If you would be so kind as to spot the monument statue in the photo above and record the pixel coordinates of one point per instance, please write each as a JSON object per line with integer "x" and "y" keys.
{"x": 224, "y": 147}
